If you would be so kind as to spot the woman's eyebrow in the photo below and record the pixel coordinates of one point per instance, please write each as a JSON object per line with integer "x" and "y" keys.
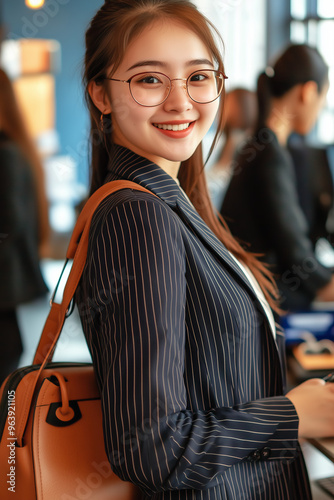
{"x": 194, "y": 62}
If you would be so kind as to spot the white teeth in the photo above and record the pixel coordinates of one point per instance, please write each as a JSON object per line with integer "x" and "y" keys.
{"x": 175, "y": 128}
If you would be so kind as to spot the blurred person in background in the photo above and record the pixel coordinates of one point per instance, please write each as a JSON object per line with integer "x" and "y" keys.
{"x": 240, "y": 113}
{"x": 261, "y": 204}
{"x": 24, "y": 226}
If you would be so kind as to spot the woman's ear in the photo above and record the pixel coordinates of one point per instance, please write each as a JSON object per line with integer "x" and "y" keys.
{"x": 99, "y": 97}
{"x": 309, "y": 92}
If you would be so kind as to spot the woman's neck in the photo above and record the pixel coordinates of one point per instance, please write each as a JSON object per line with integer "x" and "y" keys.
{"x": 278, "y": 121}
{"x": 281, "y": 116}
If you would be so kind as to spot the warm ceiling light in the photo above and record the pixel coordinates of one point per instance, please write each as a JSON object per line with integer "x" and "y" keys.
{"x": 35, "y": 4}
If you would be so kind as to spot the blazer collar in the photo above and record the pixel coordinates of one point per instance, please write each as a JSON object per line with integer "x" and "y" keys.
{"x": 125, "y": 164}
{"x": 128, "y": 165}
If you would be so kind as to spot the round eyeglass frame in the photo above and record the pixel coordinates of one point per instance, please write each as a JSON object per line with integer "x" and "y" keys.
{"x": 220, "y": 73}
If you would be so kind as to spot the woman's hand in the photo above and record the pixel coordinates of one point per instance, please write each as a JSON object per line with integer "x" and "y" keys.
{"x": 314, "y": 403}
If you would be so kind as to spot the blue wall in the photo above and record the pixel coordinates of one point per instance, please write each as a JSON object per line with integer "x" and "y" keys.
{"x": 65, "y": 21}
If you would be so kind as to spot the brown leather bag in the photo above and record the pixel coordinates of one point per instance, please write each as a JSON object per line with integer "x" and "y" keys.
{"x": 52, "y": 445}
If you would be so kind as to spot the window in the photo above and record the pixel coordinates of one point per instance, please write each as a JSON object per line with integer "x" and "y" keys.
{"x": 244, "y": 53}
{"x": 312, "y": 22}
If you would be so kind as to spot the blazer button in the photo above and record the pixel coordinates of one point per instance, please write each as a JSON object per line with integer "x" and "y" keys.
{"x": 265, "y": 453}
{"x": 255, "y": 456}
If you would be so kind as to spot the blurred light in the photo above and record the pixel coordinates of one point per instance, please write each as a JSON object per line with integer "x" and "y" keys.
{"x": 325, "y": 8}
{"x": 298, "y": 33}
{"x": 298, "y": 9}
{"x": 34, "y": 4}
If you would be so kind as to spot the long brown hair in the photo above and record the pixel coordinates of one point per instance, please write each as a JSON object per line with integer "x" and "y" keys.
{"x": 13, "y": 125}
{"x": 114, "y": 26}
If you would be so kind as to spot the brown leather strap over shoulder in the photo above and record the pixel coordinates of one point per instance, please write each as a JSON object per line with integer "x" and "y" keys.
{"x": 77, "y": 250}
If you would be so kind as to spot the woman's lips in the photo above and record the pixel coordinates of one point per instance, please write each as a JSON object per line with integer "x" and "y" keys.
{"x": 175, "y": 130}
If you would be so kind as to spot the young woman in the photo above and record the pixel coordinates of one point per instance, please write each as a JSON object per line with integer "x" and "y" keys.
{"x": 187, "y": 356}
{"x": 261, "y": 204}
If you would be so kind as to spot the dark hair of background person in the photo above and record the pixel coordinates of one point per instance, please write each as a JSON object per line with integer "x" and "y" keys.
{"x": 298, "y": 64}
{"x": 105, "y": 48}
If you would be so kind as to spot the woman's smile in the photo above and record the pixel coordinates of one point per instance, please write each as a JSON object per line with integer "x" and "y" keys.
{"x": 175, "y": 130}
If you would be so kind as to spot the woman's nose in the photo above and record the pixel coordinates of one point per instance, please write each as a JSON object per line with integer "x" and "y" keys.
{"x": 178, "y": 99}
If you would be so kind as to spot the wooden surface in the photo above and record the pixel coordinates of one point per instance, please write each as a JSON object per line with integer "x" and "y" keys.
{"x": 325, "y": 446}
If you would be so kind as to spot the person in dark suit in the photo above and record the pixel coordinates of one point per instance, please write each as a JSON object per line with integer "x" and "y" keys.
{"x": 315, "y": 187}
{"x": 177, "y": 316}
{"x": 23, "y": 224}
{"x": 261, "y": 204}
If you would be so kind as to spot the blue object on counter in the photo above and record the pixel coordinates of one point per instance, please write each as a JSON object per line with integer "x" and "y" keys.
{"x": 319, "y": 323}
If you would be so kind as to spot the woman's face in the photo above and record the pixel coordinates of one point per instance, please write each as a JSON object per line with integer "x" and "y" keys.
{"x": 172, "y": 49}
{"x": 311, "y": 109}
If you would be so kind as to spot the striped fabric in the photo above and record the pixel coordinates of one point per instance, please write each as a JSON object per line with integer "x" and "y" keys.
{"x": 190, "y": 374}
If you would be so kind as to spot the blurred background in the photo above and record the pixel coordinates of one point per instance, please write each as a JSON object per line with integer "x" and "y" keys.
{"x": 42, "y": 50}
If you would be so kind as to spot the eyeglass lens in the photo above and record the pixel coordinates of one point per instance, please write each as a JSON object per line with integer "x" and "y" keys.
{"x": 151, "y": 89}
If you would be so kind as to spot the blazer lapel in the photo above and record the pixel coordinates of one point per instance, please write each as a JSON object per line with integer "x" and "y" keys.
{"x": 127, "y": 165}
{"x": 189, "y": 214}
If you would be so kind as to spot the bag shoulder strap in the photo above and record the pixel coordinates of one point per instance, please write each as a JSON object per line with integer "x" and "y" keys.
{"x": 77, "y": 250}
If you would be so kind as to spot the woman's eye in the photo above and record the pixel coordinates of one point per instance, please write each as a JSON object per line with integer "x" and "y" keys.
{"x": 199, "y": 77}
{"x": 149, "y": 79}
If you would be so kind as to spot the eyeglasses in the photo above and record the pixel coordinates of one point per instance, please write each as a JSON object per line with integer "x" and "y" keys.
{"x": 152, "y": 89}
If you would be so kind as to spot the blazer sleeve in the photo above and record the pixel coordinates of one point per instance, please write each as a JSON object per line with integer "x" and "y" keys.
{"x": 136, "y": 331}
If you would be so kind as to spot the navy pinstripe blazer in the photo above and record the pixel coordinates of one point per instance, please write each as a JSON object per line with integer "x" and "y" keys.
{"x": 191, "y": 376}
